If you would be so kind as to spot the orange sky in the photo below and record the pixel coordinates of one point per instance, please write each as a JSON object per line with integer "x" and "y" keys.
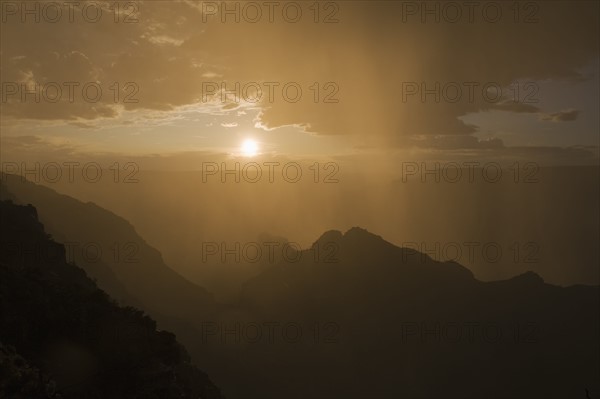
{"x": 301, "y": 79}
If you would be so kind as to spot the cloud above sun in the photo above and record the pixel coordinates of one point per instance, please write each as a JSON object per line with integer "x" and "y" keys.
{"x": 366, "y": 62}
{"x": 562, "y": 116}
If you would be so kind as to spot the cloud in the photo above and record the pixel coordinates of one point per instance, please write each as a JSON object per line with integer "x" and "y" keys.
{"x": 364, "y": 62}
{"x": 562, "y": 116}
{"x": 84, "y": 125}
{"x": 517, "y": 107}
{"x": 444, "y": 149}
{"x": 21, "y": 148}
{"x": 451, "y": 142}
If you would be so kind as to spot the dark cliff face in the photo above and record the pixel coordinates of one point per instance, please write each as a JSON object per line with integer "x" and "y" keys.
{"x": 61, "y": 334}
{"x": 126, "y": 266}
{"x": 376, "y": 320}
{"x": 392, "y": 320}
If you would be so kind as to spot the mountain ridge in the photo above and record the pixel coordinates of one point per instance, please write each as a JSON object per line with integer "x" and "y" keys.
{"x": 76, "y": 341}
{"x": 128, "y": 267}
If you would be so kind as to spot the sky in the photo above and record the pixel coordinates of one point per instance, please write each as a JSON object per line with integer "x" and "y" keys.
{"x": 352, "y": 79}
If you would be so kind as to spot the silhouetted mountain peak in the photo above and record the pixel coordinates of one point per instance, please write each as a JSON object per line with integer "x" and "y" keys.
{"x": 359, "y": 232}
{"x": 362, "y": 235}
{"x": 353, "y": 235}
{"x": 329, "y": 236}
{"x": 528, "y": 277}
{"x": 146, "y": 282}
{"x": 76, "y": 339}
{"x": 359, "y": 240}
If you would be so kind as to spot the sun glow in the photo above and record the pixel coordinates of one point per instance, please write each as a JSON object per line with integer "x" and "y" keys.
{"x": 249, "y": 148}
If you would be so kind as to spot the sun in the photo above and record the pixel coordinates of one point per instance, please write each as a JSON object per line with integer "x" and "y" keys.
{"x": 249, "y": 148}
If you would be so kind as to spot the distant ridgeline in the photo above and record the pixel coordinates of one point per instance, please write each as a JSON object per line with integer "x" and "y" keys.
{"x": 63, "y": 337}
{"x": 370, "y": 319}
